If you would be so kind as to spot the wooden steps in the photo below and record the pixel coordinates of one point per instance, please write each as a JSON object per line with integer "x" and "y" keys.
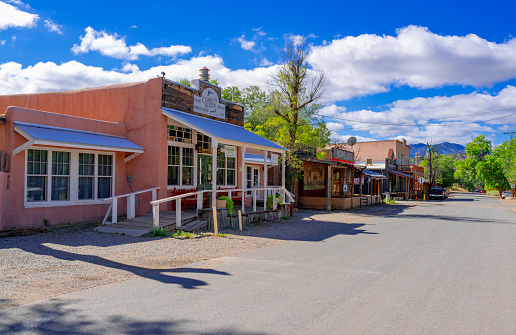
{"x": 194, "y": 225}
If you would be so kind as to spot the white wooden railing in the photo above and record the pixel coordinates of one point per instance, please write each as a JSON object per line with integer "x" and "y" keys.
{"x": 131, "y": 204}
{"x": 199, "y": 194}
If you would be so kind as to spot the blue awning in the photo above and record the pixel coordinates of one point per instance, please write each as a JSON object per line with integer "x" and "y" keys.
{"x": 256, "y": 159}
{"x": 373, "y": 175}
{"x": 221, "y": 130}
{"x": 400, "y": 174}
{"x": 55, "y": 136}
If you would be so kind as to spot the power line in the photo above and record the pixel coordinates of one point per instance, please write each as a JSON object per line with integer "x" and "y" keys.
{"x": 415, "y": 122}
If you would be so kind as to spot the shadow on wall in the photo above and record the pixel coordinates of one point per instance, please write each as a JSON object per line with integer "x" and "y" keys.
{"x": 57, "y": 317}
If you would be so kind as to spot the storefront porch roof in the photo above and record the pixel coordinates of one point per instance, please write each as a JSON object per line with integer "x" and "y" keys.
{"x": 56, "y": 136}
{"x": 223, "y": 132}
{"x": 374, "y": 175}
{"x": 400, "y": 174}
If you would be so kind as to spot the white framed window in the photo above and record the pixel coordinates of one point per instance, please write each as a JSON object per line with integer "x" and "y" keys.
{"x": 60, "y": 177}
{"x": 226, "y": 170}
{"x": 181, "y": 166}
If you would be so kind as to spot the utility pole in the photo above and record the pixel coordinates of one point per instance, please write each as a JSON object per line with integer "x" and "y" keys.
{"x": 510, "y": 132}
{"x": 429, "y": 149}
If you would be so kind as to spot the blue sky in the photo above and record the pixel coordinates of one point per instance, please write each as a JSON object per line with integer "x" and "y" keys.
{"x": 424, "y": 71}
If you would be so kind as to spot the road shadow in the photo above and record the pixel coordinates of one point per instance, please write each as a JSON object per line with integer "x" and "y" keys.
{"x": 428, "y": 217}
{"x": 57, "y": 317}
{"x": 161, "y": 275}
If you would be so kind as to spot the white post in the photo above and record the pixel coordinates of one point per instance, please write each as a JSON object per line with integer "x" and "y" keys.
{"x": 254, "y": 200}
{"x": 114, "y": 211}
{"x": 131, "y": 207}
{"x": 265, "y": 180}
{"x": 244, "y": 184}
{"x": 154, "y": 197}
{"x": 155, "y": 216}
{"x": 199, "y": 201}
{"x": 214, "y": 146}
{"x": 178, "y": 213}
{"x": 283, "y": 177}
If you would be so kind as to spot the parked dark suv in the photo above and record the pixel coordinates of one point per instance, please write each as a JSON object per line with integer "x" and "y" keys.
{"x": 437, "y": 193}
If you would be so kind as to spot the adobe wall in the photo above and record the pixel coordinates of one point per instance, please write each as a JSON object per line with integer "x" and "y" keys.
{"x": 378, "y": 151}
{"x": 130, "y": 110}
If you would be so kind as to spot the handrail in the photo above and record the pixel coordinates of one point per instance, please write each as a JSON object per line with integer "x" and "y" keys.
{"x": 131, "y": 208}
{"x": 132, "y": 193}
{"x": 199, "y": 194}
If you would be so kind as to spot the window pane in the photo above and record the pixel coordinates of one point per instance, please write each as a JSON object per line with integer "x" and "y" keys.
{"x": 173, "y": 155}
{"x": 188, "y": 157}
{"x": 173, "y": 178}
{"x": 231, "y": 163}
{"x": 104, "y": 187}
{"x": 36, "y": 188}
{"x": 230, "y": 179}
{"x": 105, "y": 165}
{"x": 85, "y": 188}
{"x": 187, "y": 176}
{"x": 60, "y": 188}
{"x": 220, "y": 176}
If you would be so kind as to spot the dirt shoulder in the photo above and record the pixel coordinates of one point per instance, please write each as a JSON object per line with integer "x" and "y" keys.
{"x": 74, "y": 258}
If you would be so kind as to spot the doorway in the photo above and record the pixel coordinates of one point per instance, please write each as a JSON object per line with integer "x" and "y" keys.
{"x": 252, "y": 179}
{"x": 204, "y": 172}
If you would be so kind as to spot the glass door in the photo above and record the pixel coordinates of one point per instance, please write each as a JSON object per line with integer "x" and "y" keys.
{"x": 204, "y": 172}
{"x": 252, "y": 179}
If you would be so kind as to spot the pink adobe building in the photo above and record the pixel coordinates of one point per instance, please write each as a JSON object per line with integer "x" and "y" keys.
{"x": 62, "y": 154}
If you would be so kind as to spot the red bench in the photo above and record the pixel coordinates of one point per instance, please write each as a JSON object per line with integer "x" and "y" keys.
{"x": 233, "y": 197}
{"x": 191, "y": 200}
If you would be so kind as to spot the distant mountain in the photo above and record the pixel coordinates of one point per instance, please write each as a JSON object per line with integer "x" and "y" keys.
{"x": 445, "y": 148}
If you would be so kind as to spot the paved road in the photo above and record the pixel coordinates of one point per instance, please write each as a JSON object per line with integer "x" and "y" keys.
{"x": 427, "y": 268}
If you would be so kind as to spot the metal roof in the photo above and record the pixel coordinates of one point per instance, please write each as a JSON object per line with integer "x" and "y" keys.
{"x": 47, "y": 135}
{"x": 374, "y": 174}
{"x": 400, "y": 174}
{"x": 257, "y": 159}
{"x": 220, "y": 130}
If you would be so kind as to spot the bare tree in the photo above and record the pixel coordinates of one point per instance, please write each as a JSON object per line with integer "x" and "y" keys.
{"x": 297, "y": 87}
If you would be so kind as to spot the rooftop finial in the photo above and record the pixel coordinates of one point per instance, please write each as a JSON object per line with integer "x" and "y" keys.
{"x": 205, "y": 74}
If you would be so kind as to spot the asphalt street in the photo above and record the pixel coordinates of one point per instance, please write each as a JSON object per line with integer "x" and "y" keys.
{"x": 436, "y": 267}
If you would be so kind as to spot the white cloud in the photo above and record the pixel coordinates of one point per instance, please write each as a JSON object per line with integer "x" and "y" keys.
{"x": 245, "y": 44}
{"x": 456, "y": 119}
{"x": 334, "y": 126}
{"x": 116, "y": 47}
{"x": 337, "y": 138}
{"x": 11, "y": 16}
{"x": 53, "y": 27}
{"x": 416, "y": 57}
{"x": 2, "y": 42}
{"x": 298, "y": 39}
{"x": 266, "y": 62}
{"x": 48, "y": 76}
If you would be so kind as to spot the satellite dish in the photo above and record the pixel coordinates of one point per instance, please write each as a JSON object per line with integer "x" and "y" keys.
{"x": 352, "y": 141}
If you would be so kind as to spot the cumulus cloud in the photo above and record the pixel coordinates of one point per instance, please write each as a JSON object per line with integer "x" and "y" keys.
{"x": 116, "y": 47}
{"x": 245, "y": 44}
{"x": 48, "y": 76}
{"x": 10, "y": 16}
{"x": 369, "y": 64}
{"x": 53, "y": 27}
{"x": 456, "y": 118}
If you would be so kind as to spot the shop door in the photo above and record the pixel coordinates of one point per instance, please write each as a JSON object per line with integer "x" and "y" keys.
{"x": 252, "y": 179}
{"x": 204, "y": 172}
{"x": 336, "y": 183}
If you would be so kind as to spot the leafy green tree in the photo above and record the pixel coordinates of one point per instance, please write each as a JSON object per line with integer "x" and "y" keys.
{"x": 232, "y": 93}
{"x": 490, "y": 170}
{"x": 443, "y": 169}
{"x": 185, "y": 82}
{"x": 466, "y": 170}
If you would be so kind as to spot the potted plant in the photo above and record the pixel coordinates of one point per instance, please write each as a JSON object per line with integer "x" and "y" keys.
{"x": 279, "y": 200}
{"x": 225, "y": 201}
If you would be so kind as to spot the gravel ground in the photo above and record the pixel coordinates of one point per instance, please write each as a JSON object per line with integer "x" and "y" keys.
{"x": 46, "y": 265}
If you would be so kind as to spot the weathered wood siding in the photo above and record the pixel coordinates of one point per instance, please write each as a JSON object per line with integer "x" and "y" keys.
{"x": 180, "y": 97}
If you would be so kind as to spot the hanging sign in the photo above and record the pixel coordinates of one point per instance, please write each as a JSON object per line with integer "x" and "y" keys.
{"x": 230, "y": 151}
{"x": 421, "y": 180}
{"x": 274, "y": 159}
{"x": 208, "y": 104}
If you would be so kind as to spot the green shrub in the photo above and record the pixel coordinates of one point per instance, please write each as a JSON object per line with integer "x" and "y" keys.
{"x": 269, "y": 200}
{"x": 184, "y": 234}
{"x": 160, "y": 233}
{"x": 229, "y": 203}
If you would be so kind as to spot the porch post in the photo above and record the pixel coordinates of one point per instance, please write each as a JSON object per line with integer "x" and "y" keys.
{"x": 283, "y": 176}
{"x": 328, "y": 191}
{"x": 244, "y": 184}
{"x": 265, "y": 180}
{"x": 361, "y": 175}
{"x": 214, "y": 146}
